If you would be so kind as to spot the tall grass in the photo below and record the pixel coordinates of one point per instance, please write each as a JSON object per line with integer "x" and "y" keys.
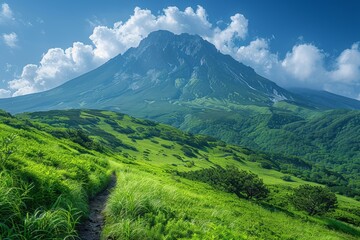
{"x": 51, "y": 224}
{"x": 17, "y": 223}
{"x": 143, "y": 208}
{"x": 11, "y": 204}
{"x": 152, "y": 205}
{"x": 44, "y": 189}
{"x": 137, "y": 199}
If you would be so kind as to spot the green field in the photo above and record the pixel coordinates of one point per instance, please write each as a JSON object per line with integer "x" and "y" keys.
{"x": 53, "y": 162}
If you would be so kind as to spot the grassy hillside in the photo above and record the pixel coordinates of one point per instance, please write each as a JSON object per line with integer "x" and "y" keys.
{"x": 60, "y": 158}
{"x": 45, "y": 182}
{"x": 328, "y": 139}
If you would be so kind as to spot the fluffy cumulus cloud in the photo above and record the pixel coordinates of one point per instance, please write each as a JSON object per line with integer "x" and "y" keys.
{"x": 55, "y": 67}
{"x": 303, "y": 65}
{"x": 111, "y": 41}
{"x": 10, "y": 39}
{"x": 258, "y": 55}
{"x": 58, "y": 65}
{"x": 224, "y": 40}
{"x": 348, "y": 65}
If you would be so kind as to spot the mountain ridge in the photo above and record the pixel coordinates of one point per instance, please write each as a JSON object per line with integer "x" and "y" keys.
{"x": 325, "y": 99}
{"x": 183, "y": 67}
{"x": 167, "y": 67}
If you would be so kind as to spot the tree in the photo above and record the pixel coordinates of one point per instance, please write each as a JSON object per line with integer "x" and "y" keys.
{"x": 230, "y": 179}
{"x": 244, "y": 183}
{"x": 315, "y": 200}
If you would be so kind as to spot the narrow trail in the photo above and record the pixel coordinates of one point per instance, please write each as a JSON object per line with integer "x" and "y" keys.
{"x": 91, "y": 228}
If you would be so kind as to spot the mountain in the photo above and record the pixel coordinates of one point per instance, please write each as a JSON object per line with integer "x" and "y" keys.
{"x": 167, "y": 69}
{"x": 163, "y": 69}
{"x": 184, "y": 81}
{"x": 324, "y": 99}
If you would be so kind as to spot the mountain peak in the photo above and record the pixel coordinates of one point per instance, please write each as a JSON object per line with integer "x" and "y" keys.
{"x": 165, "y": 36}
{"x": 165, "y": 41}
{"x": 160, "y": 34}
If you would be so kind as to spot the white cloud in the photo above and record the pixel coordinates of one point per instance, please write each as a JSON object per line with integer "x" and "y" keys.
{"x": 24, "y": 84}
{"x": 111, "y": 41}
{"x": 224, "y": 39}
{"x": 348, "y": 65}
{"x": 4, "y": 93}
{"x": 58, "y": 65}
{"x": 6, "y": 13}
{"x": 258, "y": 55}
{"x": 10, "y": 39}
{"x": 304, "y": 65}
{"x": 55, "y": 66}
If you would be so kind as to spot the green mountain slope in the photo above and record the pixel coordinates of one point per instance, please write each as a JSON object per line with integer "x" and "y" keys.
{"x": 328, "y": 139}
{"x": 45, "y": 182}
{"x": 62, "y": 157}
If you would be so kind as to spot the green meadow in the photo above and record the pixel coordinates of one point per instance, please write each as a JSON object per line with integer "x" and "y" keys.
{"x": 53, "y": 162}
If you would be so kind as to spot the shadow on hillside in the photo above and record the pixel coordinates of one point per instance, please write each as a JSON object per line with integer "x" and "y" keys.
{"x": 273, "y": 208}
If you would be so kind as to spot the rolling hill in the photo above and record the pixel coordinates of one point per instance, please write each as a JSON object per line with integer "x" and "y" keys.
{"x": 68, "y": 156}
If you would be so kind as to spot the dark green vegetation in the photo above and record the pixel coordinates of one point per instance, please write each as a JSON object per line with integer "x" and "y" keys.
{"x": 329, "y": 140}
{"x": 314, "y": 199}
{"x": 60, "y": 158}
{"x": 242, "y": 183}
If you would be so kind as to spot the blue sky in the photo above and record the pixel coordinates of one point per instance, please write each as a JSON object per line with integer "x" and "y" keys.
{"x": 295, "y": 43}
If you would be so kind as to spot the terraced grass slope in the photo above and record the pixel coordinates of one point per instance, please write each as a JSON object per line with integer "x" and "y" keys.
{"x": 63, "y": 157}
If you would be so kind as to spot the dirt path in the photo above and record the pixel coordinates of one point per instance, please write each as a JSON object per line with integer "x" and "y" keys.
{"x": 91, "y": 228}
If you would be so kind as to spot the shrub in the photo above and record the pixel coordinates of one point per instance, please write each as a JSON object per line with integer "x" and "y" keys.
{"x": 242, "y": 183}
{"x": 287, "y": 178}
{"x": 188, "y": 152}
{"x": 315, "y": 200}
{"x": 266, "y": 165}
